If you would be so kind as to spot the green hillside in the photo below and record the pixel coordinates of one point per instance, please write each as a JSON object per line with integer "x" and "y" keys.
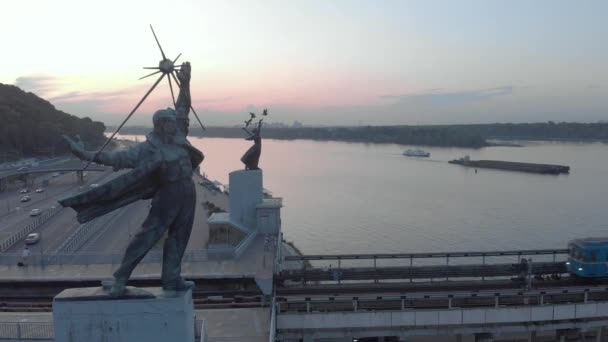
{"x": 31, "y": 126}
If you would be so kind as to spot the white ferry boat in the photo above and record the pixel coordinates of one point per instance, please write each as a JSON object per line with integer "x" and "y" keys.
{"x": 416, "y": 153}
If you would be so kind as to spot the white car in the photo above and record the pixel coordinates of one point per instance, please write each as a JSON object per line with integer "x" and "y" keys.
{"x": 39, "y": 190}
{"x": 56, "y": 174}
{"x": 32, "y": 238}
{"x": 35, "y": 212}
{"x": 94, "y": 185}
{"x": 25, "y": 198}
{"x": 24, "y": 191}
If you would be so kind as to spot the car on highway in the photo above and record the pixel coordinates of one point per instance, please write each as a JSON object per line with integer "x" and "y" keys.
{"x": 23, "y": 168}
{"x": 39, "y": 190}
{"x": 25, "y": 198}
{"x": 56, "y": 174}
{"x": 24, "y": 191}
{"x": 35, "y": 212}
{"x": 94, "y": 185}
{"x": 32, "y": 238}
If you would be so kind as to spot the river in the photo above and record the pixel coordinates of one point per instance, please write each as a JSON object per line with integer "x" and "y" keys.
{"x": 369, "y": 198}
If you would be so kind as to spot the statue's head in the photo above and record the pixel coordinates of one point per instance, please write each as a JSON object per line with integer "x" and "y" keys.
{"x": 164, "y": 122}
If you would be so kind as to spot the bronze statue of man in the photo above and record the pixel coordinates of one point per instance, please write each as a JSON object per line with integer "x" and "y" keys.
{"x": 162, "y": 168}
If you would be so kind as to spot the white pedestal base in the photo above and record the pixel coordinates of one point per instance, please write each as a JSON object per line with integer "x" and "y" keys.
{"x": 245, "y": 194}
{"x": 89, "y": 314}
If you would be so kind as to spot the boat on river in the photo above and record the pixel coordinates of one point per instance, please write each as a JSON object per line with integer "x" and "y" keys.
{"x": 416, "y": 153}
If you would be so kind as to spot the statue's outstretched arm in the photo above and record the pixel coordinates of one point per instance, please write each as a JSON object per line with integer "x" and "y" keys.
{"x": 118, "y": 160}
{"x": 127, "y": 159}
{"x": 184, "y": 101}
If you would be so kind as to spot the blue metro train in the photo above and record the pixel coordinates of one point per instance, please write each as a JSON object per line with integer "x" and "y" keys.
{"x": 588, "y": 258}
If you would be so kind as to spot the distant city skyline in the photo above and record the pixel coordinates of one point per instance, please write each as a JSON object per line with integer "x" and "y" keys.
{"x": 318, "y": 62}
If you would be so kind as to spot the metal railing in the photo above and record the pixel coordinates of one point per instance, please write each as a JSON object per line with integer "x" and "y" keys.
{"x": 443, "y": 300}
{"x": 272, "y": 331}
{"x": 202, "y": 333}
{"x": 522, "y": 252}
{"x": 399, "y": 258}
{"x": 245, "y": 243}
{"x": 45, "y": 330}
{"x": 27, "y": 330}
{"x": 155, "y": 256}
{"x": 49, "y": 170}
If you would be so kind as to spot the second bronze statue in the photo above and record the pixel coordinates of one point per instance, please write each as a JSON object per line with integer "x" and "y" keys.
{"x": 251, "y": 158}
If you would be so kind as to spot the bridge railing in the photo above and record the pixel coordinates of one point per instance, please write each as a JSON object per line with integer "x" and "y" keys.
{"x": 13, "y": 173}
{"x": 191, "y": 256}
{"x": 427, "y": 259}
{"x": 446, "y": 300}
{"x": 26, "y": 331}
{"x": 44, "y": 331}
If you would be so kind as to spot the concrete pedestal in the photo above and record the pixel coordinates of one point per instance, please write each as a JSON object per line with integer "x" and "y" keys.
{"x": 245, "y": 194}
{"x": 89, "y": 314}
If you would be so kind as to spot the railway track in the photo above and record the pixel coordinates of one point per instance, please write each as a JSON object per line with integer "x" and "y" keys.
{"x": 45, "y": 304}
{"x": 431, "y": 287}
{"x": 32, "y": 296}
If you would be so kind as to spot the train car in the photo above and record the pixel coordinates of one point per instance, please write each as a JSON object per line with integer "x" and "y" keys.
{"x": 588, "y": 258}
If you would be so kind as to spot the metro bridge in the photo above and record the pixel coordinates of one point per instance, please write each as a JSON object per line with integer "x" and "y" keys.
{"x": 499, "y": 297}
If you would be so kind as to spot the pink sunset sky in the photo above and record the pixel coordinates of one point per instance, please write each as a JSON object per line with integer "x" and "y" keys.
{"x": 319, "y": 62}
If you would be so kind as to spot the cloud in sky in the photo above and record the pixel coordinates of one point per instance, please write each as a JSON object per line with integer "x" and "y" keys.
{"x": 38, "y": 84}
{"x": 435, "y": 106}
{"x": 438, "y": 97}
{"x": 98, "y": 104}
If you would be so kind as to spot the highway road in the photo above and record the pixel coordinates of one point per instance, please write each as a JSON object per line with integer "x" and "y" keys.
{"x": 114, "y": 231}
{"x": 117, "y": 230}
{"x": 108, "y": 234}
{"x": 58, "y": 227}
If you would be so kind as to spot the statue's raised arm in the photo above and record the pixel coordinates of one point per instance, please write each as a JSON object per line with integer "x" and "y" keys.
{"x": 184, "y": 101}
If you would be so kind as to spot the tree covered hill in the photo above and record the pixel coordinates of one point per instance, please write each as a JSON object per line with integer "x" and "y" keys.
{"x": 473, "y": 136}
{"x": 31, "y": 126}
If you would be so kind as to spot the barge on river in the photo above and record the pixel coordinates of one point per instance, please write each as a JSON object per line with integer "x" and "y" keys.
{"x": 512, "y": 166}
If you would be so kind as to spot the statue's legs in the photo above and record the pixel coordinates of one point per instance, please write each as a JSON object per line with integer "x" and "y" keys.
{"x": 166, "y": 207}
{"x": 177, "y": 240}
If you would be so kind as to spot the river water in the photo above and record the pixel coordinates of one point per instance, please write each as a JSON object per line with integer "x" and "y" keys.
{"x": 369, "y": 198}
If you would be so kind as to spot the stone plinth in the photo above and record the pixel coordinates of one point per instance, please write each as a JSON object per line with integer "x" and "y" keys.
{"x": 91, "y": 315}
{"x": 269, "y": 215}
{"x": 245, "y": 194}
